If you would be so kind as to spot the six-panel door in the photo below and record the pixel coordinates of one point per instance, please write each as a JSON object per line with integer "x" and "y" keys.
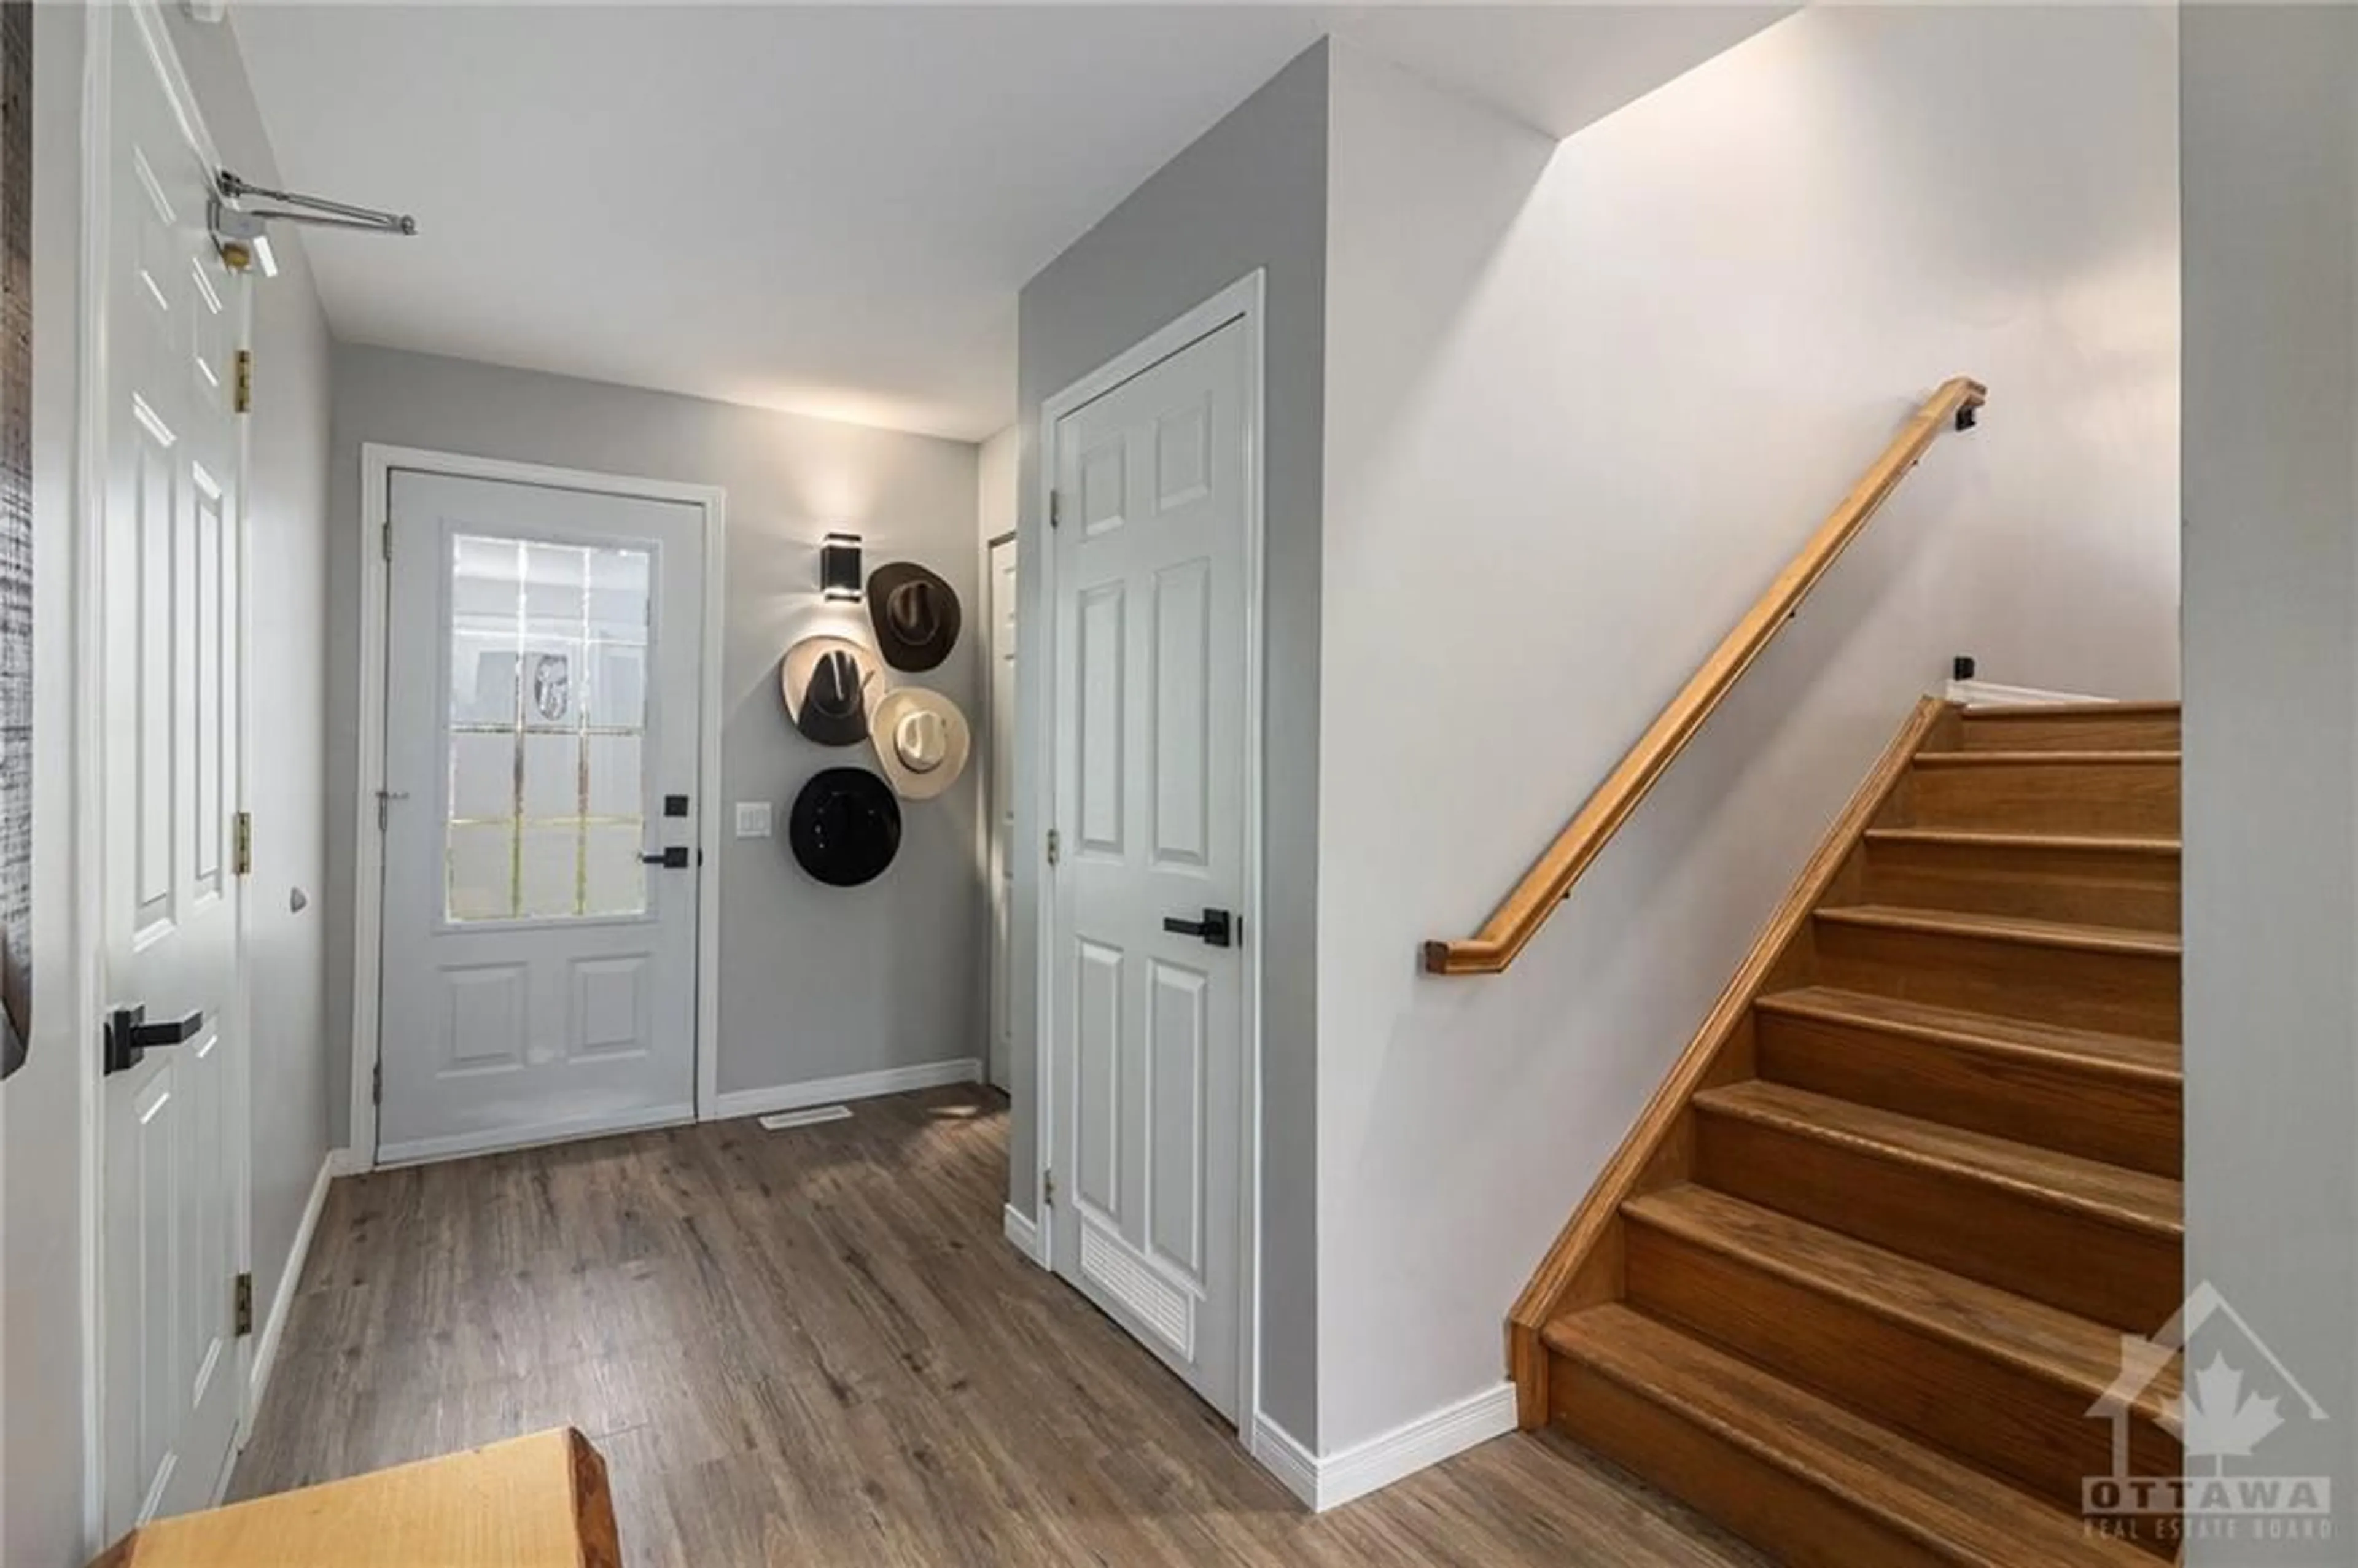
{"x": 1148, "y": 726}
{"x": 173, "y": 1125}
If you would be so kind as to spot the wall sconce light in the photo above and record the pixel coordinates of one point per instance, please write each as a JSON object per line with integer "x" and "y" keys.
{"x": 838, "y": 568}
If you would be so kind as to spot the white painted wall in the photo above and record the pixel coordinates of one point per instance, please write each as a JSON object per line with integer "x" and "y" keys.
{"x": 2271, "y": 223}
{"x": 1578, "y": 412}
{"x": 43, "y": 1350}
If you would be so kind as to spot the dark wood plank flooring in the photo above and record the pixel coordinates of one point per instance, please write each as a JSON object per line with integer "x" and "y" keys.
{"x": 815, "y": 1348}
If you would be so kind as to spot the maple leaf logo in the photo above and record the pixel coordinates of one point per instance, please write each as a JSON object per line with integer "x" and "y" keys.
{"x": 2219, "y": 1421}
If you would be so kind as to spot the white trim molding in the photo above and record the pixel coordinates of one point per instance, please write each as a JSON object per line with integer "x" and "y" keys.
{"x": 1022, "y": 1234}
{"x": 346, "y": 1162}
{"x": 1338, "y": 1478}
{"x": 460, "y": 1145}
{"x": 1282, "y": 1455}
{"x": 290, "y": 1279}
{"x": 1991, "y": 694}
{"x": 378, "y": 461}
{"x": 850, "y": 1087}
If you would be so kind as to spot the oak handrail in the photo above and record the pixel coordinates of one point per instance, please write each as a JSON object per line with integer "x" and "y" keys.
{"x": 1526, "y": 908}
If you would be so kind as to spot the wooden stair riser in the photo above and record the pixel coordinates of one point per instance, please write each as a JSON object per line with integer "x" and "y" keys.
{"x": 2050, "y": 1101}
{"x": 1769, "y": 1505}
{"x": 1793, "y": 1471}
{"x": 2135, "y": 889}
{"x": 2125, "y": 993}
{"x": 2116, "y": 796}
{"x": 2128, "y": 1277}
{"x": 2128, "y": 728}
{"x": 2009, "y": 1421}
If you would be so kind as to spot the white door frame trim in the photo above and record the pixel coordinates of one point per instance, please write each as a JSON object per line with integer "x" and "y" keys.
{"x": 87, "y": 736}
{"x": 1241, "y": 300}
{"x": 378, "y": 461}
{"x": 997, "y": 730}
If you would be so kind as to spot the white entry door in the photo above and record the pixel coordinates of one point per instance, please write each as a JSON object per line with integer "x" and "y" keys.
{"x": 541, "y": 754}
{"x": 173, "y": 1102}
{"x": 1147, "y": 951}
{"x": 1001, "y": 803}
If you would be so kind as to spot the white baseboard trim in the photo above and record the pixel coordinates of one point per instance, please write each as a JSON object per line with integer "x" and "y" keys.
{"x": 1338, "y": 1478}
{"x": 1992, "y": 694}
{"x": 461, "y": 1146}
{"x": 1023, "y": 1233}
{"x": 1295, "y": 1468}
{"x": 853, "y": 1086}
{"x": 346, "y": 1162}
{"x": 274, "y": 1326}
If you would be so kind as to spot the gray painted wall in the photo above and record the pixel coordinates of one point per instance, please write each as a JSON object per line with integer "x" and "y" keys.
{"x": 1251, "y": 193}
{"x": 43, "y": 1359}
{"x": 2269, "y": 119}
{"x": 816, "y": 982}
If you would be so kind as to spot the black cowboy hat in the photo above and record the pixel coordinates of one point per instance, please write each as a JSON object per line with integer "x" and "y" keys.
{"x": 845, "y": 826}
{"x": 915, "y": 615}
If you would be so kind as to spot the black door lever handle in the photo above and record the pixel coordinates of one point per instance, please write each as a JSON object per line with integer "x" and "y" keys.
{"x": 1217, "y": 928}
{"x": 129, "y": 1036}
{"x": 672, "y": 860}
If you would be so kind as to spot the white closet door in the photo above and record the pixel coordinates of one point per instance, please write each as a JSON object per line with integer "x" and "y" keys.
{"x": 1147, "y": 957}
{"x": 173, "y": 1206}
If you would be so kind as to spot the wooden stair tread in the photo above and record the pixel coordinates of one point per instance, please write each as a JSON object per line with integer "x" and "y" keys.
{"x": 2131, "y": 1199}
{"x": 2048, "y": 759}
{"x": 2074, "y": 1352}
{"x": 2006, "y": 928}
{"x": 1955, "y": 1511}
{"x": 2088, "y": 1049}
{"x": 1990, "y": 839}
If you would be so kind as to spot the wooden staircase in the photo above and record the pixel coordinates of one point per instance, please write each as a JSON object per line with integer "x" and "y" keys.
{"x": 1860, "y": 1271}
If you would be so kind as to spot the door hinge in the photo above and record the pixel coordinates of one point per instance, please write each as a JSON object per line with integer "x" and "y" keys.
{"x": 241, "y": 843}
{"x": 1055, "y": 509}
{"x": 1055, "y": 845}
{"x": 241, "y": 398}
{"x": 1047, "y": 1188}
{"x": 376, "y": 1084}
{"x": 242, "y": 1308}
{"x": 384, "y": 540}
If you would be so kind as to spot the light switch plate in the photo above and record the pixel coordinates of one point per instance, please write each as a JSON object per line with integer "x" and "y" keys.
{"x": 752, "y": 819}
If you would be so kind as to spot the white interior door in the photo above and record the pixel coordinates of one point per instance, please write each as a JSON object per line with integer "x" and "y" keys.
{"x": 541, "y": 754}
{"x": 1001, "y": 805}
{"x": 172, "y": 1204}
{"x": 1147, "y": 1010}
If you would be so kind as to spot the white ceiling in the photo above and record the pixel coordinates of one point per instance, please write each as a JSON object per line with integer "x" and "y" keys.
{"x": 822, "y": 209}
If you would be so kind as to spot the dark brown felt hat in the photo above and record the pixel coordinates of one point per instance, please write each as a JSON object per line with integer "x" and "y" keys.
{"x": 915, "y": 615}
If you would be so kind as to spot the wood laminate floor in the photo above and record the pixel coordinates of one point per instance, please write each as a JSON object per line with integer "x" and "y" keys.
{"x": 815, "y": 1348}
